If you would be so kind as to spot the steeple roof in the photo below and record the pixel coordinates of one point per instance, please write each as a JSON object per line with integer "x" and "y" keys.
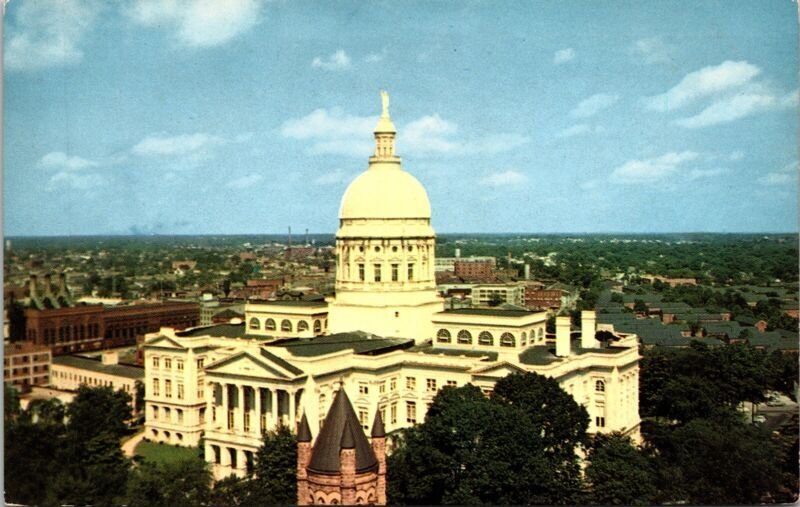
{"x": 341, "y": 429}
{"x": 377, "y": 426}
{"x": 304, "y": 432}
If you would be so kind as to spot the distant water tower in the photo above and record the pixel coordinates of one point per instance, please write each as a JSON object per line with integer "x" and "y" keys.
{"x": 458, "y": 252}
{"x": 8, "y": 245}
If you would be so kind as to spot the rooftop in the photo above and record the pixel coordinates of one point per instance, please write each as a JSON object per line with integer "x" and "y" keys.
{"x": 291, "y": 302}
{"x": 493, "y": 312}
{"x": 86, "y": 363}
{"x": 358, "y": 341}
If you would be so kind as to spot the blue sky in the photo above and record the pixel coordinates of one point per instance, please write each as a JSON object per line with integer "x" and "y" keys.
{"x": 241, "y": 116}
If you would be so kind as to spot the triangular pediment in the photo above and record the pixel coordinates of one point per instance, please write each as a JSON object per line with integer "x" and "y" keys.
{"x": 500, "y": 369}
{"x": 246, "y": 364}
{"x": 166, "y": 342}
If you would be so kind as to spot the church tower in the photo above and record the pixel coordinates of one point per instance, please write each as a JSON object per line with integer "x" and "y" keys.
{"x": 385, "y": 247}
{"x": 343, "y": 467}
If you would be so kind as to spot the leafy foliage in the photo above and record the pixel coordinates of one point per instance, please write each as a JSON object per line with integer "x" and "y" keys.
{"x": 185, "y": 483}
{"x": 619, "y": 473}
{"x": 515, "y": 447}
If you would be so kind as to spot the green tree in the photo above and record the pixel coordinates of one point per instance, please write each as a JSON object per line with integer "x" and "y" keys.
{"x": 619, "y": 473}
{"x": 639, "y": 306}
{"x": 275, "y": 470}
{"x": 186, "y": 483}
{"x": 99, "y": 410}
{"x": 11, "y": 407}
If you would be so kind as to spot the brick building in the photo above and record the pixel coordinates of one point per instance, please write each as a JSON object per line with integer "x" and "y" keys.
{"x": 26, "y": 364}
{"x": 474, "y": 268}
{"x": 543, "y": 298}
{"x": 343, "y": 467}
{"x": 53, "y": 320}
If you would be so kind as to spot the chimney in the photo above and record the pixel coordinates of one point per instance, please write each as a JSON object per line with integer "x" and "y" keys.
{"x": 562, "y": 335}
{"x": 109, "y": 358}
{"x": 48, "y": 290}
{"x": 588, "y": 329}
{"x": 62, "y": 284}
{"x": 527, "y": 271}
{"x": 458, "y": 253}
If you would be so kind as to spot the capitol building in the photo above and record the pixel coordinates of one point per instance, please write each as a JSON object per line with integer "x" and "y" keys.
{"x": 385, "y": 338}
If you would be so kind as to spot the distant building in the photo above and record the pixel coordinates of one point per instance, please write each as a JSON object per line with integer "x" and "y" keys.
{"x": 449, "y": 263}
{"x": 26, "y": 364}
{"x": 263, "y": 288}
{"x": 183, "y": 266}
{"x": 52, "y": 319}
{"x": 672, "y": 282}
{"x": 544, "y": 298}
{"x": 471, "y": 268}
{"x": 69, "y": 373}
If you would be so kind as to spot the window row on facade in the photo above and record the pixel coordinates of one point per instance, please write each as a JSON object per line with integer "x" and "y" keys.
{"x": 286, "y": 325}
{"x": 506, "y": 339}
{"x": 166, "y": 363}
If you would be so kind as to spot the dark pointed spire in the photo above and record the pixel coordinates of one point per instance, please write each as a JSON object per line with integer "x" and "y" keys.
{"x": 348, "y": 440}
{"x": 303, "y": 431}
{"x": 377, "y": 426}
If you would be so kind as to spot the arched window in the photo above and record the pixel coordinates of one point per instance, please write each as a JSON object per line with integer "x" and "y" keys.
{"x": 302, "y": 326}
{"x": 270, "y": 325}
{"x": 443, "y": 336}
{"x": 524, "y": 340}
{"x": 541, "y": 333}
{"x": 507, "y": 340}
{"x": 486, "y": 338}
{"x": 464, "y": 336}
{"x": 286, "y": 325}
{"x": 317, "y": 326}
{"x": 600, "y": 386}
{"x": 254, "y": 323}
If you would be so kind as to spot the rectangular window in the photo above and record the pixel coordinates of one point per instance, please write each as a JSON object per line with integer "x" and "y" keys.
{"x": 200, "y": 363}
{"x": 180, "y": 390}
{"x": 395, "y": 272}
{"x": 155, "y": 413}
{"x": 155, "y": 362}
{"x": 363, "y": 418}
{"x": 167, "y": 363}
{"x": 167, "y": 415}
{"x": 201, "y": 392}
{"x": 376, "y": 270}
{"x": 179, "y": 364}
{"x": 411, "y": 383}
{"x": 382, "y": 387}
{"x": 393, "y": 384}
{"x": 168, "y": 388}
{"x": 452, "y": 383}
{"x": 361, "y": 272}
{"x": 600, "y": 422}
{"x": 156, "y": 385}
{"x": 393, "y": 412}
{"x": 410, "y": 272}
{"x": 382, "y": 410}
{"x": 431, "y": 385}
{"x": 202, "y": 416}
{"x": 411, "y": 412}
{"x": 180, "y": 416}
{"x": 363, "y": 388}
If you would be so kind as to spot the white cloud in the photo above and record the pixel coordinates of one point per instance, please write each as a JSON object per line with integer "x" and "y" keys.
{"x": 375, "y": 57}
{"x": 589, "y": 184}
{"x": 729, "y": 109}
{"x": 786, "y": 175}
{"x": 61, "y": 160}
{"x": 337, "y": 61}
{"x": 504, "y": 178}
{"x": 579, "y": 129}
{"x": 332, "y": 131}
{"x": 245, "y": 181}
{"x": 48, "y": 33}
{"x": 791, "y": 99}
{"x": 563, "y": 56}
{"x": 332, "y": 178}
{"x": 736, "y": 155}
{"x": 652, "y": 50}
{"x": 75, "y": 181}
{"x": 652, "y": 169}
{"x": 705, "y": 82}
{"x": 593, "y": 105}
{"x": 324, "y": 123}
{"x": 198, "y": 23}
{"x": 696, "y": 174}
{"x": 160, "y": 144}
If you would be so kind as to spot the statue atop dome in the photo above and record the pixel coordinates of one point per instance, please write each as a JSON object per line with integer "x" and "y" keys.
{"x": 385, "y": 102}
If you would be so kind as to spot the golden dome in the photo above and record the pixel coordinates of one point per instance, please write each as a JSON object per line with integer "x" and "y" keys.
{"x": 385, "y": 190}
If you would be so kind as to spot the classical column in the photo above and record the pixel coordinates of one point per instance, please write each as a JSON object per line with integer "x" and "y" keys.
{"x": 273, "y": 414}
{"x": 292, "y": 418}
{"x": 257, "y": 424}
{"x": 225, "y": 408}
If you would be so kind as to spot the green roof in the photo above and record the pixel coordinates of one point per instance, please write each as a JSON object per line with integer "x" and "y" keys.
{"x": 291, "y": 302}
{"x": 771, "y": 340}
{"x": 218, "y": 330}
{"x": 494, "y": 312}
{"x": 86, "y": 363}
{"x": 430, "y": 349}
{"x": 358, "y": 341}
{"x": 538, "y": 355}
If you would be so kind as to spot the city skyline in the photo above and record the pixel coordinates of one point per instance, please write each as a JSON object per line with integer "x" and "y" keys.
{"x": 248, "y": 117}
